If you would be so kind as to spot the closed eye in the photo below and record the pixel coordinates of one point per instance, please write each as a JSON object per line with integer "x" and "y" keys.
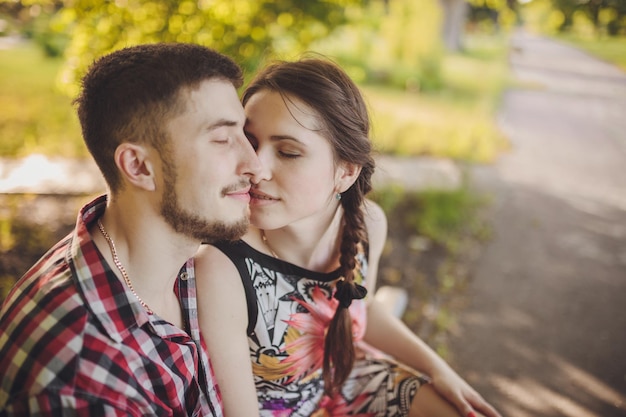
{"x": 288, "y": 155}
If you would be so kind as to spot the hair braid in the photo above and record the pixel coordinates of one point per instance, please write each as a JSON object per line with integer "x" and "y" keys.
{"x": 339, "y": 352}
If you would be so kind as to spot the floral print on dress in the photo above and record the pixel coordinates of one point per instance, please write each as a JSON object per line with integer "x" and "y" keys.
{"x": 306, "y": 352}
{"x": 294, "y": 307}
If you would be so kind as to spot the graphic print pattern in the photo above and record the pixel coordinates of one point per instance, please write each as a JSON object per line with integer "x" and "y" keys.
{"x": 294, "y": 307}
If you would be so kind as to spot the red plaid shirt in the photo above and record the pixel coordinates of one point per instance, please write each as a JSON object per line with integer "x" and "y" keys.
{"x": 75, "y": 341}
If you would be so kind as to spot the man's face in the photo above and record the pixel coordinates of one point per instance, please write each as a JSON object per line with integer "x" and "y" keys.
{"x": 206, "y": 177}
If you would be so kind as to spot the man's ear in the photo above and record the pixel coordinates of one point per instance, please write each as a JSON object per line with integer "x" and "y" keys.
{"x": 135, "y": 165}
{"x": 347, "y": 174}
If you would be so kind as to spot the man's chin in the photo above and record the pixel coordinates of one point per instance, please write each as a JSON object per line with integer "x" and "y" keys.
{"x": 202, "y": 228}
{"x": 225, "y": 232}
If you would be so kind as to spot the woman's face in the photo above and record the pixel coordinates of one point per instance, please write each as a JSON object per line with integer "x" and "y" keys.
{"x": 299, "y": 179}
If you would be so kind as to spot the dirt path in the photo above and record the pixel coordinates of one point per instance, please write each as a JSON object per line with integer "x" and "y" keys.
{"x": 544, "y": 329}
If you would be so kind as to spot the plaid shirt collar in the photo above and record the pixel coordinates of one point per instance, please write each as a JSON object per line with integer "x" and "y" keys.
{"x": 109, "y": 299}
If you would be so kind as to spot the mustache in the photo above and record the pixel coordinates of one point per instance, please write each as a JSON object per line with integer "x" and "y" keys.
{"x": 236, "y": 187}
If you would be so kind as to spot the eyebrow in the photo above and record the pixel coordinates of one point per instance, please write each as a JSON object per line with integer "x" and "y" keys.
{"x": 285, "y": 137}
{"x": 221, "y": 123}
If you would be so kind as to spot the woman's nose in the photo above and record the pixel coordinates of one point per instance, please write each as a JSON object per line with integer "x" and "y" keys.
{"x": 265, "y": 166}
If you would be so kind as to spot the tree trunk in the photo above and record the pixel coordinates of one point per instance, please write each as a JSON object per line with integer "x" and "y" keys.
{"x": 454, "y": 17}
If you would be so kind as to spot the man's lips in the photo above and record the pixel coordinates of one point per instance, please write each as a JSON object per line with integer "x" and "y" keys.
{"x": 243, "y": 193}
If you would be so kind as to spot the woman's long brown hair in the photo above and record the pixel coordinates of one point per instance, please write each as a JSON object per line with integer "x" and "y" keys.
{"x": 328, "y": 90}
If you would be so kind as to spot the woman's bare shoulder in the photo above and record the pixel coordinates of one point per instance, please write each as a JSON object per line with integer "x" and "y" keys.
{"x": 376, "y": 223}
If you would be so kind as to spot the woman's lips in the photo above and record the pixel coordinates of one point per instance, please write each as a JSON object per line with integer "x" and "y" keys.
{"x": 260, "y": 197}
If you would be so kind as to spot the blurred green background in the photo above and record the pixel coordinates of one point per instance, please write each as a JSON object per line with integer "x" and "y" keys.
{"x": 432, "y": 70}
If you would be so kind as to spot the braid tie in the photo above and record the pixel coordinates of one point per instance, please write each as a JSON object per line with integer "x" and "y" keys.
{"x": 348, "y": 291}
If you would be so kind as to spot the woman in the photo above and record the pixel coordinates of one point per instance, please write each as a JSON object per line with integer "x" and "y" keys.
{"x": 290, "y": 295}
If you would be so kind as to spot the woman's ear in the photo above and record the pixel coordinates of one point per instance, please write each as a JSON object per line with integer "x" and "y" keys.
{"x": 135, "y": 165}
{"x": 347, "y": 174}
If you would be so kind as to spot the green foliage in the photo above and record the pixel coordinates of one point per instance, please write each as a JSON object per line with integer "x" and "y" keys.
{"x": 446, "y": 216}
{"x": 492, "y": 15}
{"x": 29, "y": 226}
{"x": 435, "y": 105}
{"x": 396, "y": 45}
{"x": 6, "y": 282}
{"x": 249, "y": 30}
{"x": 443, "y": 216}
{"x": 457, "y": 121}
{"x": 48, "y": 35}
{"x": 433, "y": 235}
{"x": 539, "y": 16}
{"x": 439, "y": 215}
{"x": 611, "y": 49}
{"x": 388, "y": 197}
{"x": 35, "y": 117}
{"x": 597, "y": 18}
{"x": 32, "y": 19}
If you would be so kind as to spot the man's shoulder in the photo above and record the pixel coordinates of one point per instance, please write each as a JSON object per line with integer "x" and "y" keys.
{"x": 40, "y": 321}
{"x": 47, "y": 284}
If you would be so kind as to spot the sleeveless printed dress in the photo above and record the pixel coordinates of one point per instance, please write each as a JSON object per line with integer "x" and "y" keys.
{"x": 289, "y": 309}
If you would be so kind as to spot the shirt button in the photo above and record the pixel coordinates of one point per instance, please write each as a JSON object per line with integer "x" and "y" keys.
{"x": 184, "y": 276}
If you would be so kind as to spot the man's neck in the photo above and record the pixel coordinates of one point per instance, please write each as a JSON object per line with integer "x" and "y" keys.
{"x": 151, "y": 255}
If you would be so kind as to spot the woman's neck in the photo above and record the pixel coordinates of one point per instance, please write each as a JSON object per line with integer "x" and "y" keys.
{"x": 314, "y": 247}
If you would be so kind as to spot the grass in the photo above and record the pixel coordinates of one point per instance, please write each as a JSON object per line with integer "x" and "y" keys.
{"x": 434, "y": 236}
{"x": 456, "y": 121}
{"x": 34, "y": 116}
{"x": 442, "y": 216}
{"x": 609, "y": 49}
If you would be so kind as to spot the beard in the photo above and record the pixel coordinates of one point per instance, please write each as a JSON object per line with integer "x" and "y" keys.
{"x": 191, "y": 224}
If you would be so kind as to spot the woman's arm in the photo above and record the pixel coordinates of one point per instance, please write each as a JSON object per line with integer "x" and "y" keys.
{"x": 384, "y": 331}
{"x": 376, "y": 224}
{"x": 390, "y": 335}
{"x": 223, "y": 317}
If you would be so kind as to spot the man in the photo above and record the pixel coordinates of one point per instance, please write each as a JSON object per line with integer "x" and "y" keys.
{"x": 106, "y": 322}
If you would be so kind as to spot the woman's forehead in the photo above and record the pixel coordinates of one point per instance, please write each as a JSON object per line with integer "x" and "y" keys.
{"x": 285, "y": 105}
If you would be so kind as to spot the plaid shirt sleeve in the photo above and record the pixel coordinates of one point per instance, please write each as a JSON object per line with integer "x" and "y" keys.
{"x": 48, "y": 404}
{"x": 75, "y": 341}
